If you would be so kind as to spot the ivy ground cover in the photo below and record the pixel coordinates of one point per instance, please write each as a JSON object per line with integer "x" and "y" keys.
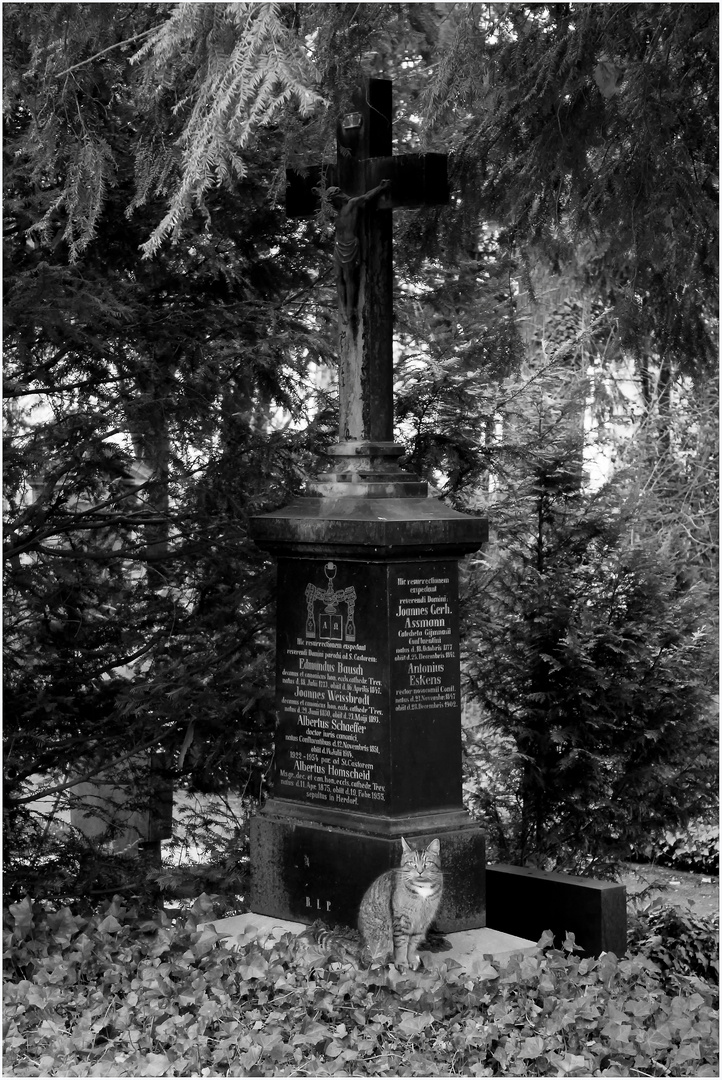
{"x": 114, "y": 995}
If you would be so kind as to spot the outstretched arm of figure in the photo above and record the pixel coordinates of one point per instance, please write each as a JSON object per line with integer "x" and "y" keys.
{"x": 373, "y": 194}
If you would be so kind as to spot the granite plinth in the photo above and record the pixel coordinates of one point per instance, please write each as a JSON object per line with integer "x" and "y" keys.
{"x": 305, "y": 871}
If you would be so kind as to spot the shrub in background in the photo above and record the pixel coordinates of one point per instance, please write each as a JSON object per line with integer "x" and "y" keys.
{"x": 590, "y": 651}
{"x": 597, "y": 672}
{"x": 679, "y": 942}
{"x": 694, "y": 847}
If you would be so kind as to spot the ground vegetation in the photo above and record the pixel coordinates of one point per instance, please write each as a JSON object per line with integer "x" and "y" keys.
{"x": 111, "y": 995}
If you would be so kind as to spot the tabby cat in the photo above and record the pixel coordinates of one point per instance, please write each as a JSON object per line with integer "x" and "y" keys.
{"x": 399, "y": 906}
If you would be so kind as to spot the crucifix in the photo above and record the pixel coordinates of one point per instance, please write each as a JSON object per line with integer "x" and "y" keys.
{"x": 371, "y": 182}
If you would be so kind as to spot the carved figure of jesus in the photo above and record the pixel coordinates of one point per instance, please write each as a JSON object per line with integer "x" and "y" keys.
{"x": 347, "y": 251}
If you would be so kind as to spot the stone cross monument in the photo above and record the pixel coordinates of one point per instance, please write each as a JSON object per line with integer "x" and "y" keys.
{"x": 368, "y": 743}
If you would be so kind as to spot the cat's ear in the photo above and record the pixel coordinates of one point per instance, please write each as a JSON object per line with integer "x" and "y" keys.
{"x": 405, "y": 848}
{"x": 434, "y": 847}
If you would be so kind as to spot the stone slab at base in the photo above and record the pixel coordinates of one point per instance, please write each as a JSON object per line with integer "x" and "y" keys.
{"x": 468, "y": 948}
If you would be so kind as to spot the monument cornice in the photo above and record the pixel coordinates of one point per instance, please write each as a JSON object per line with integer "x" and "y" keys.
{"x": 356, "y": 525}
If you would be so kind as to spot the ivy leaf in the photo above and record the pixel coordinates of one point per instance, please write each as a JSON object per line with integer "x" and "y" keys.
{"x": 157, "y": 1065}
{"x": 37, "y": 995}
{"x": 412, "y": 1025}
{"x": 109, "y": 925}
{"x": 64, "y": 925}
{"x": 250, "y": 1058}
{"x": 203, "y": 942}
{"x": 254, "y": 968}
{"x": 484, "y": 969}
{"x": 22, "y": 913}
{"x": 333, "y": 1049}
{"x": 532, "y": 1048}
{"x": 570, "y": 1062}
{"x": 655, "y": 1041}
{"x": 639, "y": 1007}
{"x": 313, "y": 1027}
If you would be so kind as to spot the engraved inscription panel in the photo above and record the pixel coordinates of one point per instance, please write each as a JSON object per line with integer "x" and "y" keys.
{"x": 332, "y": 684}
{"x": 423, "y": 601}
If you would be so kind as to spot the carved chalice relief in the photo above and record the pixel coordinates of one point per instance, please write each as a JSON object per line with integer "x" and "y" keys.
{"x": 329, "y": 624}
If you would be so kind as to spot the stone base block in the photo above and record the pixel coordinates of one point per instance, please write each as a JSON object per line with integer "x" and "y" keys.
{"x": 305, "y": 871}
{"x": 522, "y": 900}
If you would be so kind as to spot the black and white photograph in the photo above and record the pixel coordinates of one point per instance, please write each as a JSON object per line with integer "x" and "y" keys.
{"x": 361, "y": 515}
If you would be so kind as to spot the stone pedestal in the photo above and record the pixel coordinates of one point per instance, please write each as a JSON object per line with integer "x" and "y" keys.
{"x": 368, "y": 744}
{"x": 303, "y": 871}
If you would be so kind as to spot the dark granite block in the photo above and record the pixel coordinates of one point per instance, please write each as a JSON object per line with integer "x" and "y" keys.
{"x": 368, "y": 742}
{"x": 525, "y": 901}
{"x": 305, "y": 871}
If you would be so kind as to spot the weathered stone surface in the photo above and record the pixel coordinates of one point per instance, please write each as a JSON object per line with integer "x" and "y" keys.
{"x": 522, "y": 900}
{"x": 306, "y": 871}
{"x": 468, "y": 948}
{"x": 370, "y": 528}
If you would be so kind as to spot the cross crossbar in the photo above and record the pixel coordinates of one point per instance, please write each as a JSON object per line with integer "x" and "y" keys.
{"x": 416, "y": 180}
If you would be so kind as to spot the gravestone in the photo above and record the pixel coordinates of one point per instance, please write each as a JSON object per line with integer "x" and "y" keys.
{"x": 130, "y": 815}
{"x": 368, "y": 742}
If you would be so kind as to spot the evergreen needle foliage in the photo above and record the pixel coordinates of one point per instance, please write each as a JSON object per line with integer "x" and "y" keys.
{"x": 247, "y": 67}
{"x": 169, "y": 342}
{"x": 583, "y": 122}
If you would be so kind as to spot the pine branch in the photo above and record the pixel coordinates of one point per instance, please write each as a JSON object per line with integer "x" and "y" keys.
{"x": 238, "y": 93}
{"x": 117, "y": 45}
{"x": 18, "y": 390}
{"x": 96, "y": 772}
{"x": 561, "y": 351}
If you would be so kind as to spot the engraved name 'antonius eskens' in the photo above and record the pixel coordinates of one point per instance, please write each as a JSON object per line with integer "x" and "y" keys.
{"x": 425, "y": 648}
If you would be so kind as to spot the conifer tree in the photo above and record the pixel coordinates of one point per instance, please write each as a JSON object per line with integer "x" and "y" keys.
{"x": 581, "y": 122}
{"x": 591, "y": 634}
{"x": 161, "y": 316}
{"x": 137, "y": 437}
